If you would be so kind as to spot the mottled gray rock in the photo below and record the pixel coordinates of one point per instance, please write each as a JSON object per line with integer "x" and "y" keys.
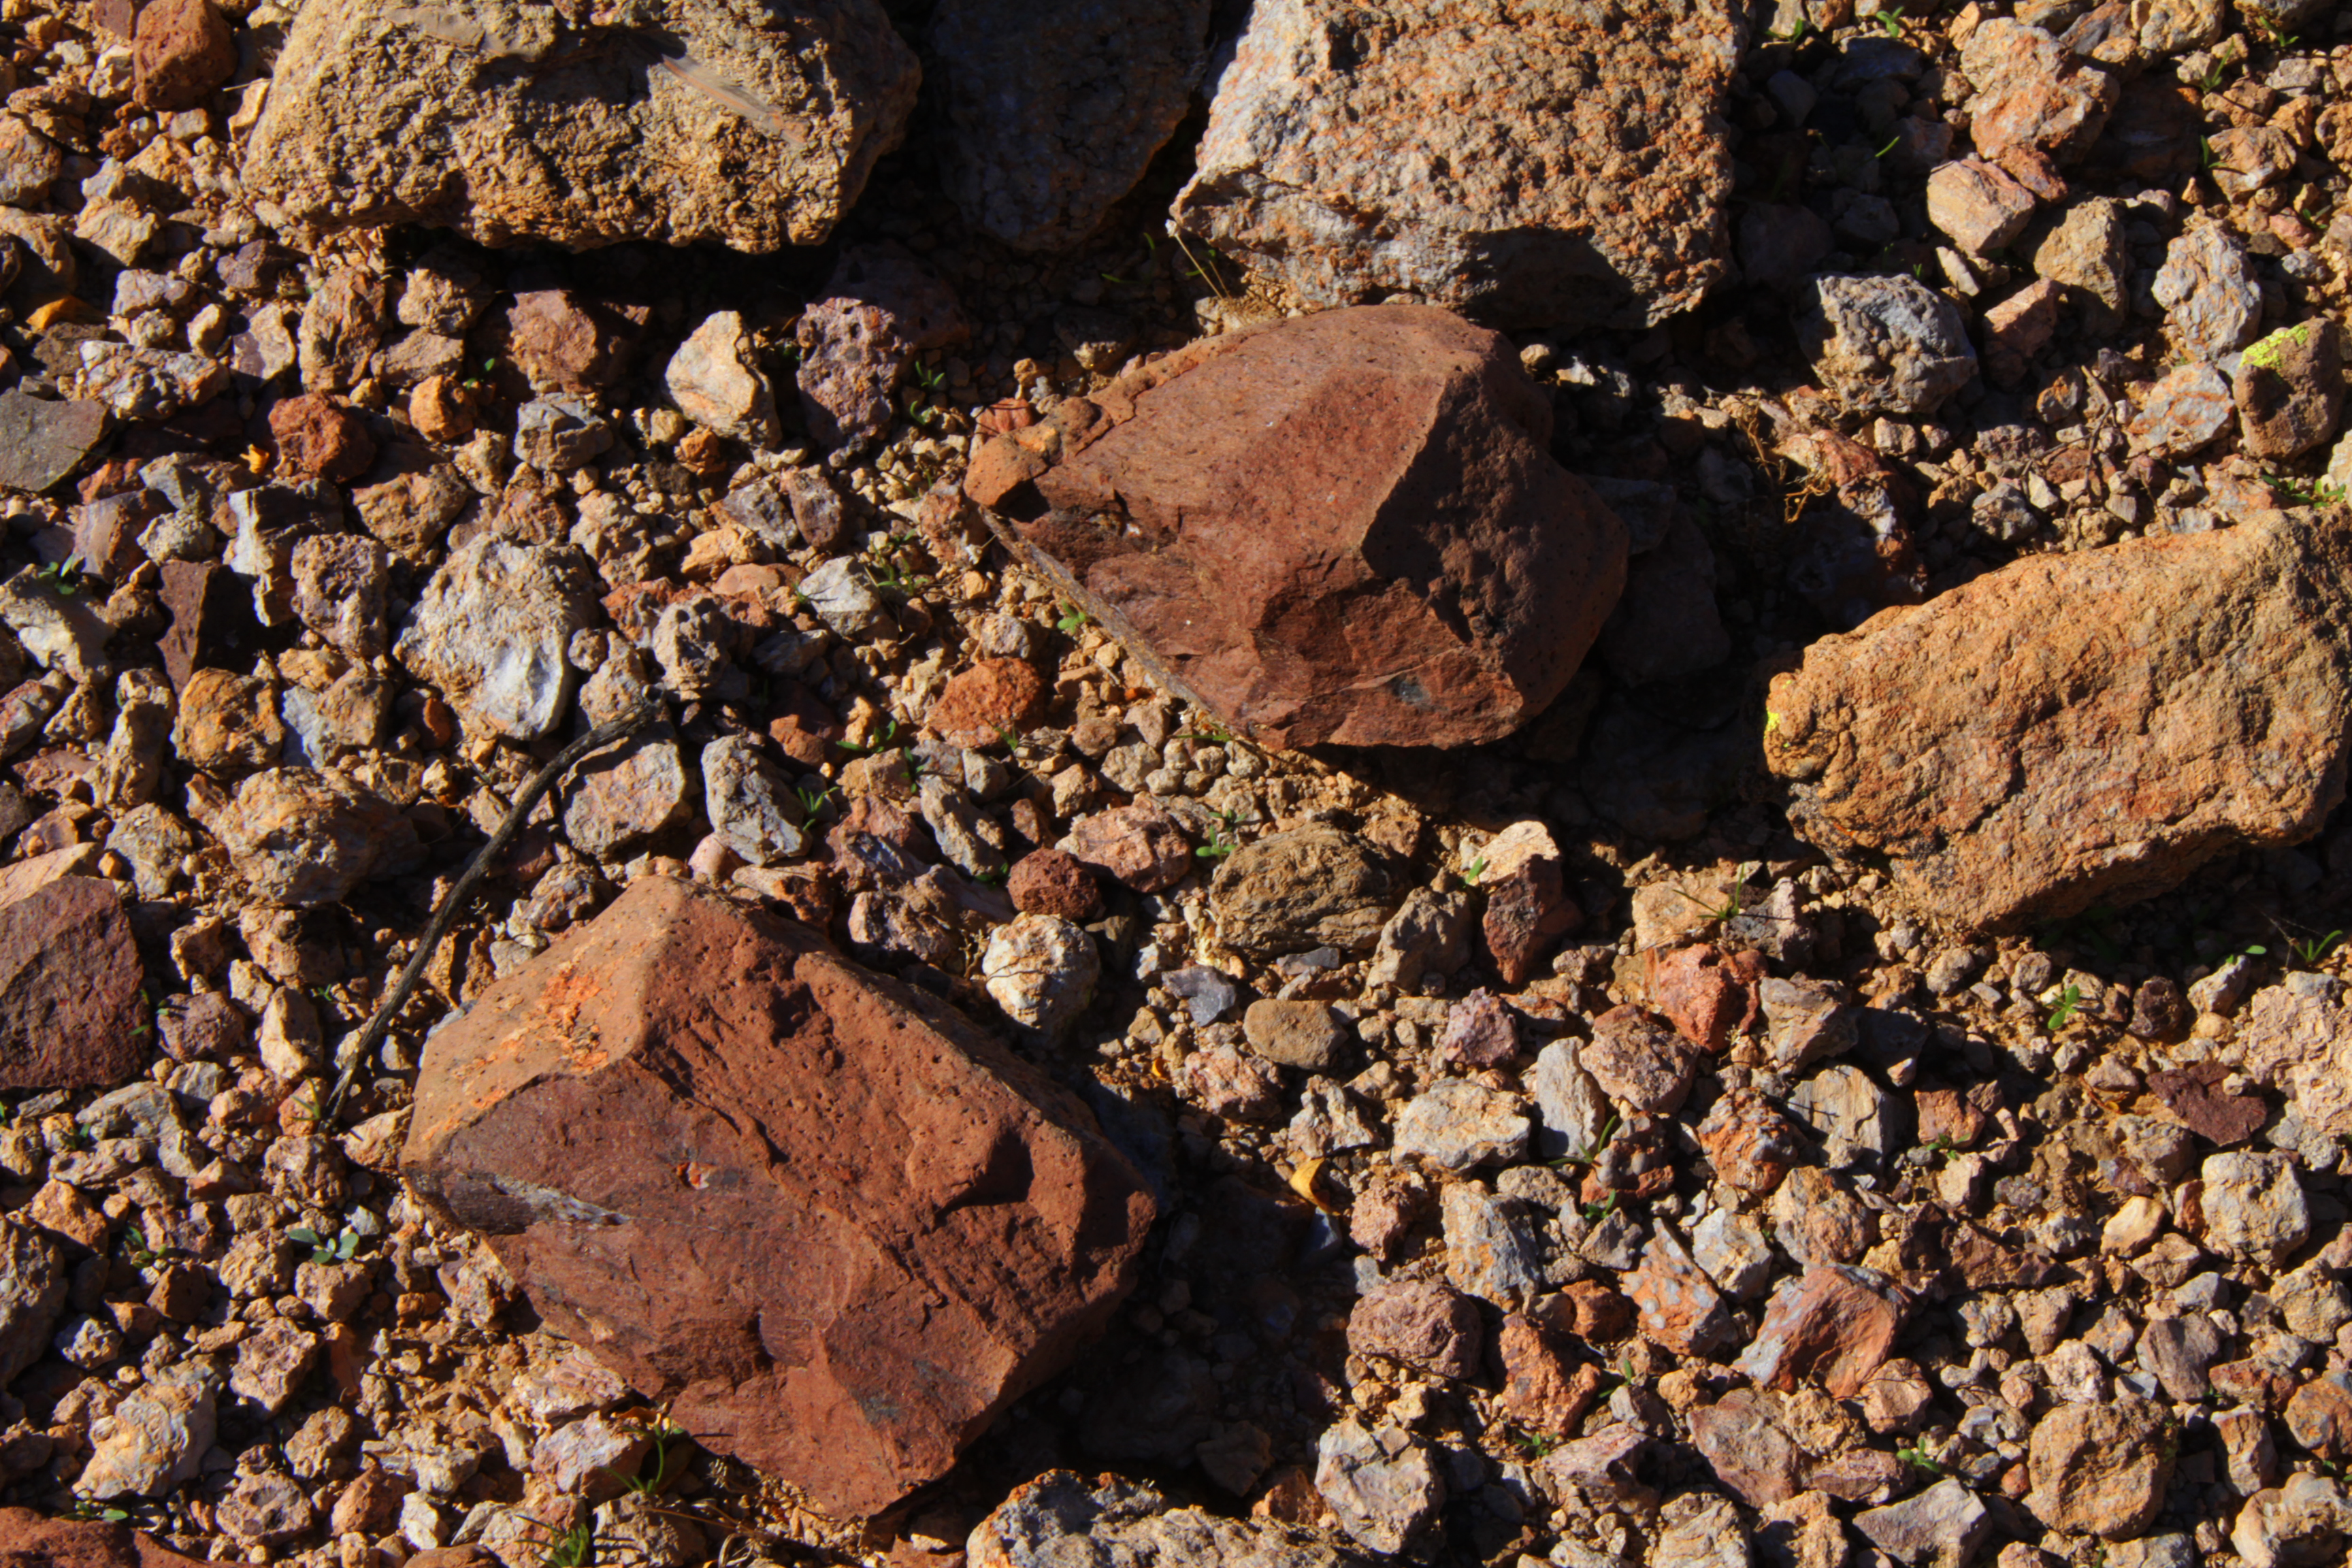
{"x": 1061, "y": 1517}
{"x": 492, "y": 630}
{"x": 43, "y": 439}
{"x": 1102, "y": 83}
{"x": 33, "y": 1280}
{"x": 748, "y": 801}
{"x": 1944, "y": 1525}
{"x": 1456, "y": 1125}
{"x": 2208, "y": 289}
{"x": 1885, "y": 344}
{"x": 1041, "y": 970}
{"x": 1382, "y": 1483}
{"x": 155, "y": 1438}
{"x": 1490, "y": 1247}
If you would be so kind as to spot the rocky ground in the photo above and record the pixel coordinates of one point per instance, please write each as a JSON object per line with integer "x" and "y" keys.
{"x": 1785, "y": 1094}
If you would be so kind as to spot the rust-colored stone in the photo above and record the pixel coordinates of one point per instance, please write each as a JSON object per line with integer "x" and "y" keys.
{"x": 829, "y": 1224}
{"x": 2084, "y": 728}
{"x": 978, "y": 705}
{"x": 316, "y": 439}
{"x": 1394, "y": 558}
{"x": 29, "y": 1540}
{"x": 70, "y": 1008}
{"x": 181, "y": 50}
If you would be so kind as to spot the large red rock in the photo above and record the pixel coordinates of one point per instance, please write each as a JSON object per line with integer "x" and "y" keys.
{"x": 71, "y": 1015}
{"x": 2085, "y": 728}
{"x": 29, "y": 1540}
{"x": 1344, "y": 528}
{"x": 828, "y": 1223}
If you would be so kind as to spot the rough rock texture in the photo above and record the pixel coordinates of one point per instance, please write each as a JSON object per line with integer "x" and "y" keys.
{"x": 42, "y": 439}
{"x": 33, "y": 1280}
{"x": 1396, "y": 560}
{"x": 646, "y": 1118}
{"x": 1101, "y": 82}
{"x": 2081, "y": 728}
{"x": 1061, "y": 1517}
{"x": 501, "y": 120}
{"x": 491, "y": 630}
{"x": 71, "y": 1007}
{"x": 880, "y": 309}
{"x": 1886, "y": 344}
{"x": 1311, "y": 887}
{"x": 1564, "y": 166}
{"x": 29, "y": 1540}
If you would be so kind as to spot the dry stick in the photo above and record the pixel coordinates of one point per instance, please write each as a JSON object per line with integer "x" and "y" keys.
{"x": 436, "y": 928}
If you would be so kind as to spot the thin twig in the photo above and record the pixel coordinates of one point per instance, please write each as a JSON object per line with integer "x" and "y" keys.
{"x": 436, "y": 928}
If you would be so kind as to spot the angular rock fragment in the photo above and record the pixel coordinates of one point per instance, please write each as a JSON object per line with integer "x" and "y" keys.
{"x": 824, "y": 1221}
{"x": 492, "y": 629}
{"x": 42, "y": 439}
{"x": 689, "y": 121}
{"x": 70, "y": 1002}
{"x": 1061, "y": 1517}
{"x": 881, "y": 307}
{"x": 1103, "y": 86}
{"x": 1310, "y": 887}
{"x": 1889, "y": 346}
{"x": 2083, "y": 727}
{"x": 1396, "y": 560}
{"x": 1342, "y": 158}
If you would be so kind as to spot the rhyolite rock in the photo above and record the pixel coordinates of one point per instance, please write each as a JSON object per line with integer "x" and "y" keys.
{"x": 831, "y": 1228}
{"x": 2083, "y": 727}
{"x": 1394, "y": 559}
{"x": 1103, "y": 83}
{"x": 512, "y": 122}
{"x": 43, "y": 439}
{"x": 1564, "y": 166}
{"x": 1063, "y": 1518}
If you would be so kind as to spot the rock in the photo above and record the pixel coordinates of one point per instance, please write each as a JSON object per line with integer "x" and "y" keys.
{"x": 1336, "y": 160}
{"x": 271, "y": 1365}
{"x": 1421, "y": 1323}
{"x": 2209, "y": 289}
{"x": 1042, "y": 970}
{"x": 582, "y": 134}
{"x": 1480, "y": 1033}
{"x": 1428, "y": 934}
{"x": 29, "y": 161}
{"x": 1307, "y": 1035}
{"x": 156, "y": 1437}
{"x": 2016, "y": 330}
{"x": 1979, "y": 205}
{"x": 492, "y": 630}
{"x": 750, "y": 802}
{"x": 1103, "y": 85}
{"x": 978, "y": 1215}
{"x": 1678, "y": 1304}
{"x": 1048, "y": 882}
{"x": 1700, "y": 1530}
{"x": 2101, "y": 1469}
{"x": 341, "y": 582}
{"x": 2088, "y": 252}
{"x": 1526, "y": 898}
{"x": 2033, "y": 94}
{"x": 1490, "y": 1247}
{"x": 2091, "y": 771}
{"x": 2180, "y": 1351}
{"x": 42, "y": 440}
{"x": 227, "y": 723}
{"x": 1291, "y": 892}
{"x": 2299, "y": 1525}
{"x": 142, "y": 384}
{"x": 2254, "y": 1205}
{"x": 621, "y": 796}
{"x": 1639, "y": 1061}
{"x": 1225, "y": 1083}
{"x": 317, "y": 439}
{"x": 1707, "y": 996}
{"x": 1138, "y": 844}
{"x": 1060, "y": 1517}
{"x": 1750, "y": 1145}
{"x": 1668, "y": 623}
{"x": 32, "y": 1542}
{"x": 978, "y": 705}
{"x": 302, "y": 838}
{"x": 1832, "y": 1324}
{"x": 1850, "y": 1115}
{"x": 1945, "y": 1525}
{"x": 1805, "y": 1020}
{"x": 1885, "y": 344}
{"x": 1375, "y": 655}
{"x": 880, "y": 309}
{"x": 1747, "y": 1449}
{"x": 265, "y": 1509}
{"x": 1731, "y": 1249}
{"x": 1780, "y": 244}
{"x": 1457, "y": 1125}
{"x": 2187, "y": 407}
{"x": 72, "y": 1014}
{"x": 714, "y": 382}
{"x": 560, "y": 435}
{"x": 2290, "y": 389}
{"x": 180, "y": 53}
{"x": 33, "y": 1282}
{"x": 1382, "y": 1483}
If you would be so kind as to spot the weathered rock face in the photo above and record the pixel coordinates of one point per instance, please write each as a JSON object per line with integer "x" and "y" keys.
{"x": 29, "y": 1540}
{"x": 833, "y": 1225}
{"x": 2082, "y": 728}
{"x": 1394, "y": 559}
{"x": 71, "y": 1007}
{"x": 1102, "y": 82}
{"x": 1556, "y": 166}
{"x": 697, "y": 122}
{"x": 1061, "y": 1517}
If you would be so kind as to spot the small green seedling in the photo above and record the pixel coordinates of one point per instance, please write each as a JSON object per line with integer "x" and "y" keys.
{"x": 1889, "y": 19}
{"x": 1473, "y": 871}
{"x": 1594, "y": 1149}
{"x": 135, "y": 1250}
{"x": 64, "y": 576}
{"x": 1918, "y": 1458}
{"x": 1595, "y": 1213}
{"x": 1532, "y": 1446}
{"x": 813, "y": 800}
{"x": 2070, "y": 1001}
{"x": 1073, "y": 620}
{"x": 2310, "y": 952}
{"x": 866, "y": 749}
{"x": 575, "y": 1548}
{"x": 1221, "y": 839}
{"x": 324, "y": 1248}
{"x": 1795, "y": 34}
{"x": 90, "y": 1508}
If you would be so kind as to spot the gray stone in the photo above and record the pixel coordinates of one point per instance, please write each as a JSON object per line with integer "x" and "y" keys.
{"x": 748, "y": 801}
{"x": 1490, "y": 1247}
{"x": 1945, "y": 1525}
{"x": 1457, "y": 1125}
{"x": 2208, "y": 289}
{"x": 1383, "y": 1484}
{"x": 42, "y": 439}
{"x": 156, "y": 1437}
{"x": 1885, "y": 344}
{"x": 492, "y": 630}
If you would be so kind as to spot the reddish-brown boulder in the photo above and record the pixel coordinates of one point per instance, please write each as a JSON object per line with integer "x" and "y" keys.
{"x": 71, "y": 1015}
{"x": 978, "y": 705}
{"x": 1391, "y": 558}
{"x": 2084, "y": 728}
{"x": 829, "y": 1224}
{"x": 181, "y": 50}
{"x": 1048, "y": 882}
{"x": 27, "y": 1540}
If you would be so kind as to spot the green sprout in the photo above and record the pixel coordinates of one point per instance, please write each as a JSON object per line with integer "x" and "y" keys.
{"x": 2316, "y": 948}
{"x": 1593, "y": 1151}
{"x": 1889, "y": 17}
{"x": 2070, "y": 1001}
{"x": 1221, "y": 839}
{"x": 64, "y": 576}
{"x": 1595, "y": 1213}
{"x": 1473, "y": 871}
{"x": 324, "y": 1249}
{"x": 1795, "y": 34}
{"x": 135, "y": 1250}
{"x": 1073, "y": 620}
{"x": 572, "y": 1548}
{"x": 1918, "y": 1458}
{"x": 813, "y": 799}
